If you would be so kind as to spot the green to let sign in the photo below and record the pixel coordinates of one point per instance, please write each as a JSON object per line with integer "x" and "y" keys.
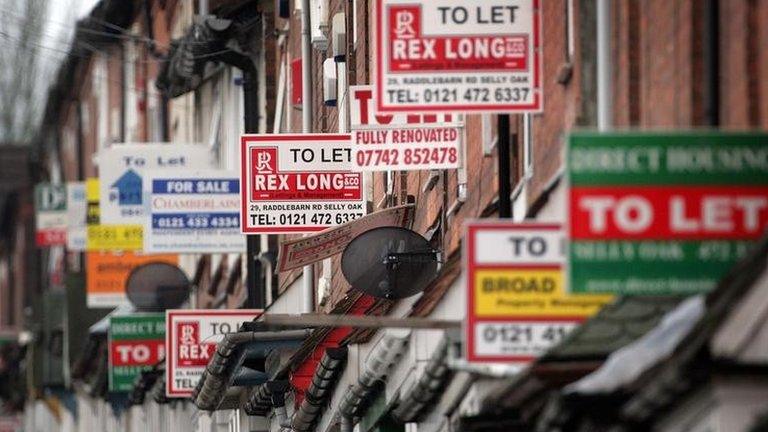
{"x": 663, "y": 213}
{"x": 136, "y": 343}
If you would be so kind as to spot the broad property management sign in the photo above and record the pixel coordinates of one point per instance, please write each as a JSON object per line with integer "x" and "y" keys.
{"x": 518, "y": 305}
{"x": 447, "y": 55}
{"x": 663, "y": 213}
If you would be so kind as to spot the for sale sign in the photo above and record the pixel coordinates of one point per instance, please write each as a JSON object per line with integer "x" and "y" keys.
{"x": 191, "y": 338}
{"x": 194, "y": 212}
{"x": 136, "y": 343}
{"x": 444, "y": 55}
{"x": 518, "y": 305}
{"x": 51, "y": 214}
{"x": 663, "y": 213}
{"x": 298, "y": 183}
{"x": 400, "y": 142}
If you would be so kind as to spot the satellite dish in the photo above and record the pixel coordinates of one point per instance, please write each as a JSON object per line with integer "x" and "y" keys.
{"x": 157, "y": 286}
{"x": 389, "y": 262}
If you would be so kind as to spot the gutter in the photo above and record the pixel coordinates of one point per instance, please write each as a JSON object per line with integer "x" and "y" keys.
{"x": 323, "y": 382}
{"x": 382, "y": 358}
{"x": 429, "y": 386}
{"x": 218, "y": 375}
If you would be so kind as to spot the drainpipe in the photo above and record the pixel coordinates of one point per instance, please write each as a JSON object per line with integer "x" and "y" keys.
{"x": 505, "y": 176}
{"x": 308, "y": 285}
{"x": 604, "y": 66}
{"x": 346, "y": 424}
{"x": 712, "y": 63}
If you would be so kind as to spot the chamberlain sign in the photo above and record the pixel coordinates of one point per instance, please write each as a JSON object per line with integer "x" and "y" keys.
{"x": 298, "y": 183}
{"x": 663, "y": 213}
{"x": 518, "y": 305}
{"x": 444, "y": 55}
{"x": 193, "y": 212}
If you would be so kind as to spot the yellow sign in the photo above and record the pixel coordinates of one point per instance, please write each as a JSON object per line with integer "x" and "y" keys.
{"x": 531, "y": 293}
{"x": 115, "y": 237}
{"x": 108, "y": 237}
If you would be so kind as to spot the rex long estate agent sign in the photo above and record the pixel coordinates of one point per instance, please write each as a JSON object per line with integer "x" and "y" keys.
{"x": 446, "y": 55}
{"x": 298, "y": 183}
{"x": 663, "y": 213}
{"x": 191, "y": 338}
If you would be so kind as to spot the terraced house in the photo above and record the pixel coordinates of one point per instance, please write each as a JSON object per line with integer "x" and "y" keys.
{"x": 207, "y": 72}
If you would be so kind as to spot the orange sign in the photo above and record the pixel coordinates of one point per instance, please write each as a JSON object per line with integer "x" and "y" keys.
{"x": 106, "y": 274}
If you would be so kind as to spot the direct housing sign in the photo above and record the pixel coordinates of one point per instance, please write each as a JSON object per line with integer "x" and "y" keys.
{"x": 444, "y": 55}
{"x": 663, "y": 213}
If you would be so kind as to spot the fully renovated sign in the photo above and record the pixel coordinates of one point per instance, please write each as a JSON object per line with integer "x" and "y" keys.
{"x": 444, "y": 55}
{"x": 518, "y": 305}
{"x": 383, "y": 142}
{"x": 663, "y": 213}
{"x": 298, "y": 183}
{"x": 122, "y": 169}
{"x": 193, "y": 212}
{"x": 191, "y": 338}
{"x": 136, "y": 344}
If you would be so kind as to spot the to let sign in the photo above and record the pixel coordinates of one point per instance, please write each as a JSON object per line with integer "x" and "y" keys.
{"x": 401, "y": 141}
{"x": 298, "y": 183}
{"x": 51, "y": 214}
{"x": 518, "y": 304}
{"x": 663, "y": 213}
{"x": 191, "y": 338}
{"x": 444, "y": 55}
{"x": 136, "y": 344}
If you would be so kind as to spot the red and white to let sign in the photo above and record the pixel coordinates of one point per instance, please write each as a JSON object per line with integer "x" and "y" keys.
{"x": 190, "y": 338}
{"x": 400, "y": 142}
{"x": 448, "y": 55}
{"x": 298, "y": 183}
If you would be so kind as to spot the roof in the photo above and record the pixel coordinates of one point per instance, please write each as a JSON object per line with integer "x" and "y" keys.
{"x": 628, "y": 363}
{"x": 615, "y": 326}
{"x": 687, "y": 356}
{"x": 618, "y": 324}
{"x": 102, "y": 326}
